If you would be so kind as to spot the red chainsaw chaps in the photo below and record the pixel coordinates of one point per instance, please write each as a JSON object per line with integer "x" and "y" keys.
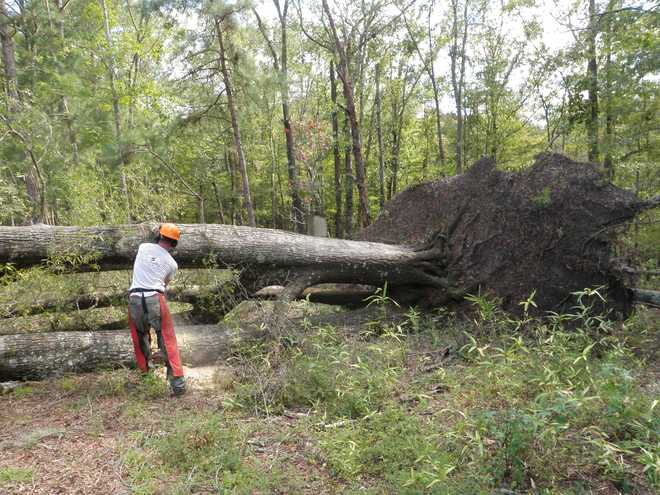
{"x": 169, "y": 338}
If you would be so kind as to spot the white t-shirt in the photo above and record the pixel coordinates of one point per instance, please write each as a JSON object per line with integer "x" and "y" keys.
{"x": 153, "y": 264}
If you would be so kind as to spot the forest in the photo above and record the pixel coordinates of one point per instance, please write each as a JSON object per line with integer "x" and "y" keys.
{"x": 419, "y": 245}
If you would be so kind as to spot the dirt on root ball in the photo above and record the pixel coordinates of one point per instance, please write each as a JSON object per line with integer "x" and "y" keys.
{"x": 547, "y": 228}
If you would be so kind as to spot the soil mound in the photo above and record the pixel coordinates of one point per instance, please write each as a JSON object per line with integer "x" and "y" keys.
{"x": 546, "y": 228}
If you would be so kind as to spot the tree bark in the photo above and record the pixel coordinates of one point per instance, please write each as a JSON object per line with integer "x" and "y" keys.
{"x": 247, "y": 196}
{"x": 592, "y": 71}
{"x": 36, "y": 356}
{"x": 8, "y": 60}
{"x": 98, "y": 300}
{"x": 348, "y": 182}
{"x": 339, "y": 230}
{"x": 648, "y": 297}
{"x": 458, "y": 75}
{"x": 329, "y": 260}
{"x": 379, "y": 133}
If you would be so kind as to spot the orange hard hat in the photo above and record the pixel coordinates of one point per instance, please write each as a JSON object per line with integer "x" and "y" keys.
{"x": 170, "y": 230}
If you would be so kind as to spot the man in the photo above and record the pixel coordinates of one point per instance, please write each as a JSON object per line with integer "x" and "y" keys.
{"x": 153, "y": 269}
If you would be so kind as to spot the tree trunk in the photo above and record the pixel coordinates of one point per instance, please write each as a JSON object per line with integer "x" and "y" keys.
{"x": 609, "y": 116}
{"x": 281, "y": 66}
{"x": 247, "y": 196}
{"x": 98, "y": 300}
{"x": 458, "y": 75}
{"x": 329, "y": 260}
{"x": 349, "y": 100}
{"x": 379, "y": 133}
{"x": 218, "y": 201}
{"x": 348, "y": 182}
{"x": 273, "y": 175}
{"x": 592, "y": 71}
{"x": 485, "y": 230}
{"x": 121, "y": 152}
{"x": 68, "y": 120}
{"x": 339, "y": 231}
{"x": 296, "y": 196}
{"x": 36, "y": 356}
{"x": 648, "y": 297}
{"x": 8, "y": 60}
{"x": 427, "y": 62}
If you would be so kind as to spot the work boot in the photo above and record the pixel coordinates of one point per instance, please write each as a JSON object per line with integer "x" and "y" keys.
{"x": 178, "y": 386}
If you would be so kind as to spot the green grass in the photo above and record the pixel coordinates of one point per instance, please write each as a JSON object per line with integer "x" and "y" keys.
{"x": 10, "y": 475}
{"x": 23, "y": 391}
{"x": 557, "y": 403}
{"x": 439, "y": 405}
{"x": 204, "y": 453}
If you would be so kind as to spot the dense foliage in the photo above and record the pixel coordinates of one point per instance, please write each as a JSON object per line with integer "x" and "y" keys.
{"x": 120, "y": 111}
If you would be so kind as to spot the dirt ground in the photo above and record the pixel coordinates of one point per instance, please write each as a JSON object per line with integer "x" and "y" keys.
{"x": 69, "y": 434}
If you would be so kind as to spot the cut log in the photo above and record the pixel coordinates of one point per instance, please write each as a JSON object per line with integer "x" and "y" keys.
{"x": 36, "y": 356}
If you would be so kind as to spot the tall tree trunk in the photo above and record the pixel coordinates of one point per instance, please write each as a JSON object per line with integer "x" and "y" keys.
{"x": 609, "y": 117}
{"x": 347, "y": 85}
{"x": 247, "y": 197}
{"x": 348, "y": 181}
{"x": 379, "y": 133}
{"x": 121, "y": 155}
{"x": 296, "y": 196}
{"x": 8, "y": 60}
{"x": 218, "y": 201}
{"x": 232, "y": 186}
{"x": 427, "y": 62}
{"x": 201, "y": 211}
{"x": 339, "y": 231}
{"x": 273, "y": 175}
{"x": 281, "y": 66}
{"x": 592, "y": 71}
{"x": 68, "y": 120}
{"x": 458, "y": 75}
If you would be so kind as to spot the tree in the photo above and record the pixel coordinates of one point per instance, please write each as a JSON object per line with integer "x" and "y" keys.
{"x": 459, "y": 36}
{"x": 281, "y": 66}
{"x": 428, "y": 61}
{"x": 343, "y": 55}
{"x": 592, "y": 70}
{"x": 8, "y": 59}
{"x": 247, "y": 196}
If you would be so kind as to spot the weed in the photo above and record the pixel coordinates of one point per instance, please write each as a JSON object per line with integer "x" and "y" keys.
{"x": 23, "y": 391}
{"x": 200, "y": 454}
{"x": 66, "y": 384}
{"x": 15, "y": 475}
{"x": 150, "y": 386}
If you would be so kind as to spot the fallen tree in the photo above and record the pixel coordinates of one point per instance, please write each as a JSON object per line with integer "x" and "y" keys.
{"x": 41, "y": 355}
{"x": 546, "y": 230}
{"x": 36, "y": 356}
{"x": 101, "y": 299}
